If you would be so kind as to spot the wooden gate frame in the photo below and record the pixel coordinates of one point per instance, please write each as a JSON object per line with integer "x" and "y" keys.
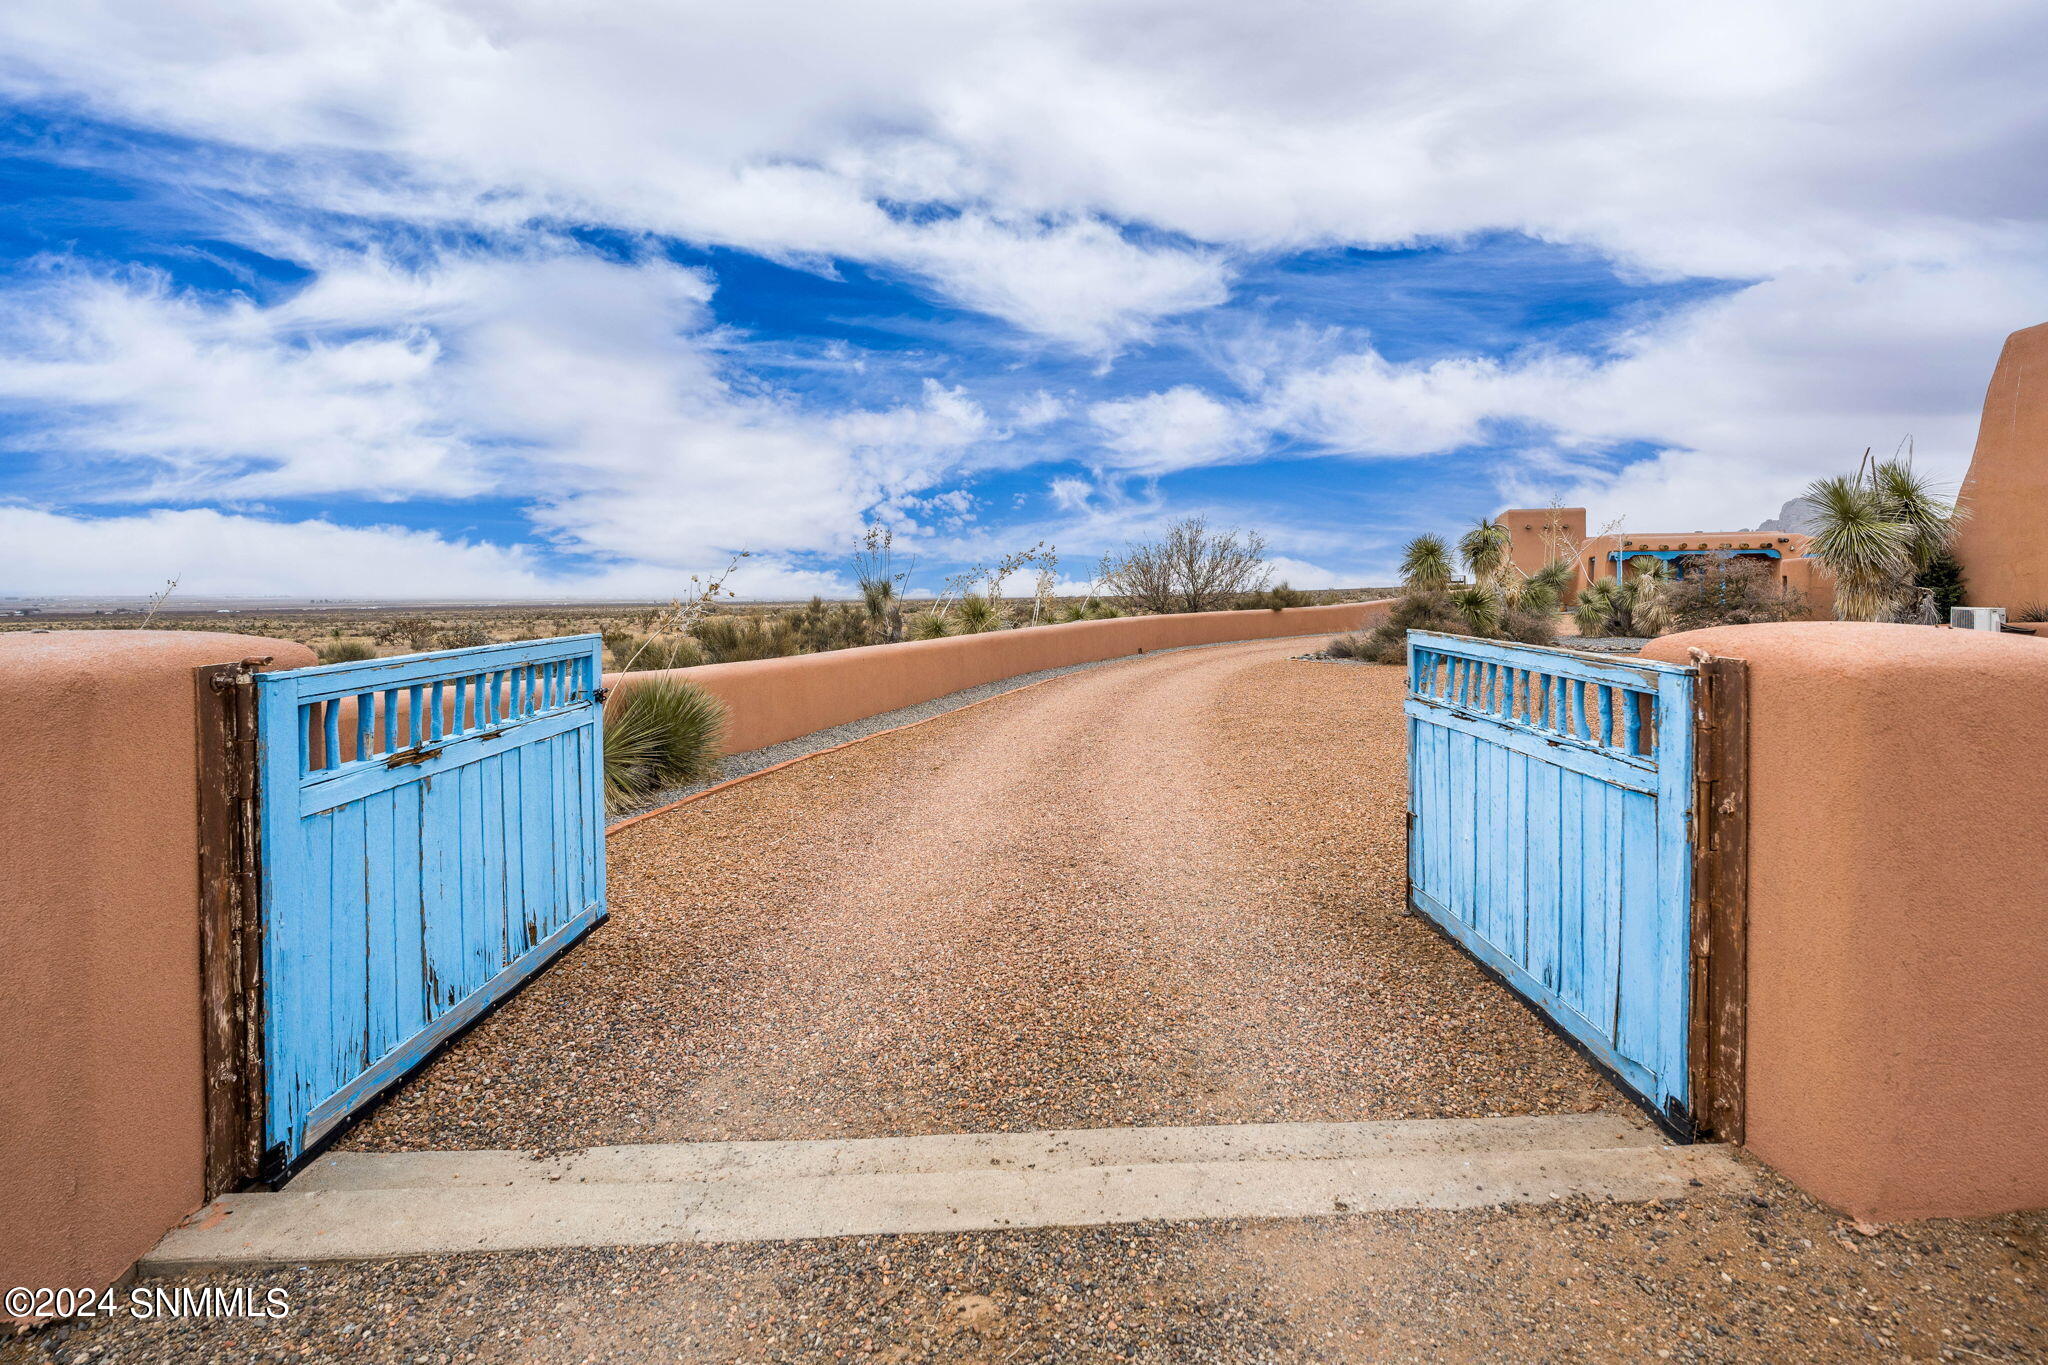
{"x": 230, "y": 924}
{"x": 1719, "y": 1010}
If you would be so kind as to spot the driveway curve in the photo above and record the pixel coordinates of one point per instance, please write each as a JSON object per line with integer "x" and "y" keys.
{"x": 1166, "y": 891}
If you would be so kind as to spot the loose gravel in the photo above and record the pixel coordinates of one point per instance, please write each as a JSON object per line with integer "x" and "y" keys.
{"x": 1164, "y": 891}
{"x": 1770, "y": 1277}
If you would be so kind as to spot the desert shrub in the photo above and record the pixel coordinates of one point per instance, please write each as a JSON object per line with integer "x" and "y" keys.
{"x": 819, "y": 627}
{"x": 659, "y": 734}
{"x": 1091, "y": 609}
{"x": 976, "y": 614}
{"x": 1943, "y": 577}
{"x": 1477, "y": 610}
{"x": 737, "y": 639}
{"x": 1276, "y": 598}
{"x": 1526, "y": 627}
{"x": 1420, "y": 610}
{"x": 644, "y": 653}
{"x": 1729, "y": 592}
{"x": 929, "y": 625}
{"x": 466, "y": 636}
{"x": 1350, "y": 647}
{"x": 1635, "y": 606}
{"x": 346, "y": 651}
{"x": 414, "y": 632}
{"x": 1191, "y": 569}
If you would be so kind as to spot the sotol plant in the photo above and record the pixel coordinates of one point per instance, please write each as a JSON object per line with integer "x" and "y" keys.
{"x": 657, "y": 735}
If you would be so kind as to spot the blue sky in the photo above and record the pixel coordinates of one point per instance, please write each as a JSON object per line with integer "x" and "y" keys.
{"x": 498, "y": 299}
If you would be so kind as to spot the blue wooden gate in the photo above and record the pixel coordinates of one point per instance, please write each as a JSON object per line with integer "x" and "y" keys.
{"x": 432, "y": 834}
{"x": 1550, "y": 798}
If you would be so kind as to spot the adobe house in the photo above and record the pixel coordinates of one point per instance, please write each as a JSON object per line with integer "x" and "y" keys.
{"x": 1539, "y": 535}
{"x": 2004, "y": 544}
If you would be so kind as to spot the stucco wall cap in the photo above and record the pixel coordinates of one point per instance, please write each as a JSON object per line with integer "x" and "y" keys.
{"x": 1856, "y": 647}
{"x": 93, "y": 651}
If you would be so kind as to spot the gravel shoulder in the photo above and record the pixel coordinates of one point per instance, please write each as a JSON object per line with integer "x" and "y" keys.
{"x": 1163, "y": 891}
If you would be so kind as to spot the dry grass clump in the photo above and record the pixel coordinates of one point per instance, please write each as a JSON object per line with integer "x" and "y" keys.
{"x": 346, "y": 651}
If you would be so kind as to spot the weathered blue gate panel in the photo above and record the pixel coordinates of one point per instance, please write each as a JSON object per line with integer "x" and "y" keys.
{"x": 432, "y": 833}
{"x": 1550, "y": 810}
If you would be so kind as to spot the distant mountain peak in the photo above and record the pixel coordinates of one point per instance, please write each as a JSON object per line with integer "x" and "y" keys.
{"x": 1798, "y": 517}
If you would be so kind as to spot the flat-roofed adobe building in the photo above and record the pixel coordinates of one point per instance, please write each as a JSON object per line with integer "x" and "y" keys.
{"x": 1539, "y": 535}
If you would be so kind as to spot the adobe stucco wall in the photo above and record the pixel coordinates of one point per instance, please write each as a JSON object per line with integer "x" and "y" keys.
{"x": 1898, "y": 950}
{"x": 770, "y": 700}
{"x": 100, "y": 1110}
{"x": 2004, "y": 544}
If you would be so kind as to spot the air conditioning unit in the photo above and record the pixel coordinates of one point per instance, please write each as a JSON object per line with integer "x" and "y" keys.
{"x": 1977, "y": 618}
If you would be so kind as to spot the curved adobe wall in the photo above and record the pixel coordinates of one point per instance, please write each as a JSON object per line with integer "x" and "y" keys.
{"x": 770, "y": 700}
{"x": 1898, "y": 931}
{"x": 100, "y": 1100}
{"x": 2004, "y": 544}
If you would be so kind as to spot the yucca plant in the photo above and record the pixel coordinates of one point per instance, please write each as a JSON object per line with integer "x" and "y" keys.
{"x": 659, "y": 734}
{"x": 1540, "y": 593}
{"x": 1908, "y": 497}
{"x": 1600, "y": 603}
{"x": 977, "y": 614}
{"x": 1426, "y": 565}
{"x": 929, "y": 625}
{"x": 1869, "y": 551}
{"x": 1636, "y": 605}
{"x": 1482, "y": 607}
{"x": 1485, "y": 549}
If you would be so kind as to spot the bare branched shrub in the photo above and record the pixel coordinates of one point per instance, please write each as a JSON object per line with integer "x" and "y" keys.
{"x": 1729, "y": 592}
{"x": 468, "y": 635}
{"x": 416, "y": 633}
{"x": 1191, "y": 569}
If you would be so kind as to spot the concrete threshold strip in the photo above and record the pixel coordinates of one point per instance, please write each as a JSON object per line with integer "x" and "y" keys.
{"x": 363, "y": 1206}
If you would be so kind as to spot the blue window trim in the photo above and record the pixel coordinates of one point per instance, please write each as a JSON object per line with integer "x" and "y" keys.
{"x": 1620, "y": 555}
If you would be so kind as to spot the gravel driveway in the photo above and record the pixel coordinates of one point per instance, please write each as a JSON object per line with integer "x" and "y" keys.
{"x": 1167, "y": 891}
